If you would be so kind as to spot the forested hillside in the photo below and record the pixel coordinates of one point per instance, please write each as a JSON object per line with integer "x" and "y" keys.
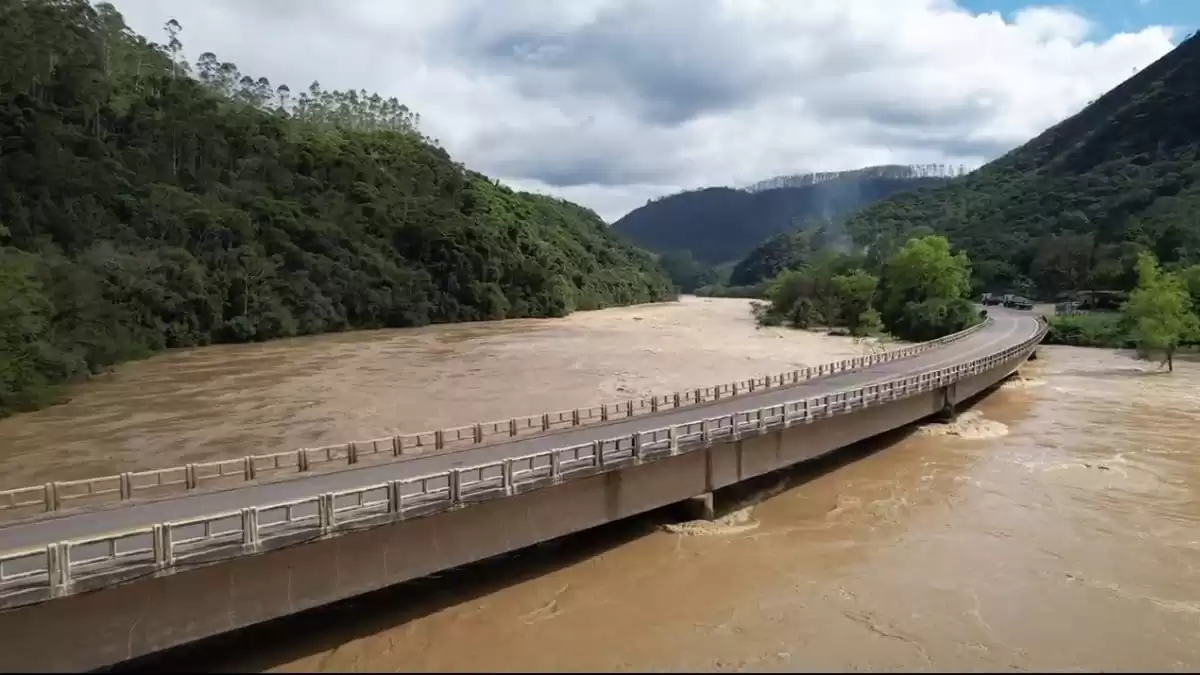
{"x": 723, "y": 224}
{"x": 783, "y": 251}
{"x": 146, "y": 203}
{"x": 1071, "y": 209}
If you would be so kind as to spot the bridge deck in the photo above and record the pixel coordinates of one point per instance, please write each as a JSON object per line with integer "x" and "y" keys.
{"x": 1007, "y": 329}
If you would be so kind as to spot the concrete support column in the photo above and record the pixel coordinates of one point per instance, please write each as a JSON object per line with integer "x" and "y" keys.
{"x": 949, "y": 408}
{"x": 700, "y": 507}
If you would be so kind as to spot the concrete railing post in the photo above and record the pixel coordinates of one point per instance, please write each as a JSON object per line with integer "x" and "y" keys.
{"x": 396, "y": 497}
{"x": 302, "y": 456}
{"x": 575, "y": 417}
{"x": 439, "y": 439}
{"x": 126, "y": 486}
{"x": 250, "y": 529}
{"x": 512, "y": 427}
{"x": 248, "y": 468}
{"x": 509, "y": 485}
{"x": 704, "y": 435}
{"x": 161, "y": 543}
{"x": 637, "y": 447}
{"x": 604, "y": 413}
{"x": 629, "y": 408}
{"x": 676, "y": 399}
{"x": 58, "y": 570}
{"x": 51, "y": 496}
{"x": 352, "y": 453}
{"x": 189, "y": 476}
{"x": 478, "y": 432}
{"x": 673, "y": 432}
{"x": 455, "y": 486}
{"x": 555, "y": 467}
{"x": 326, "y": 515}
{"x": 654, "y": 404}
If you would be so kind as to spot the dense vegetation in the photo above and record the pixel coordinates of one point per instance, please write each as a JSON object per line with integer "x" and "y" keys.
{"x": 146, "y": 203}
{"x": 1162, "y": 315}
{"x": 1073, "y": 209}
{"x": 780, "y": 252}
{"x": 719, "y": 225}
{"x": 920, "y": 293}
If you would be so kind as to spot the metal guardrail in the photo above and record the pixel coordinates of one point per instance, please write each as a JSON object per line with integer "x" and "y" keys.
{"x": 59, "y": 568}
{"x": 150, "y": 483}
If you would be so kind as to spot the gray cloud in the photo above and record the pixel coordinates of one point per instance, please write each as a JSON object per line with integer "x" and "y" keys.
{"x": 668, "y": 61}
{"x": 610, "y": 102}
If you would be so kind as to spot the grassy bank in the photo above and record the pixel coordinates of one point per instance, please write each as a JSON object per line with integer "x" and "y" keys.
{"x": 1093, "y": 329}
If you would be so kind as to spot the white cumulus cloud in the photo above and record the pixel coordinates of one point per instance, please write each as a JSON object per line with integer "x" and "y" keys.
{"x": 612, "y": 102}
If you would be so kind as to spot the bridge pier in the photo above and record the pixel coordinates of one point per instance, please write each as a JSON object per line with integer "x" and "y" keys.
{"x": 700, "y": 507}
{"x": 1033, "y": 355}
{"x": 948, "y": 406}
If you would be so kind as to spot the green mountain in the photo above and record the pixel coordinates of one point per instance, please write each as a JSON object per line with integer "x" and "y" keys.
{"x": 1070, "y": 209}
{"x": 783, "y": 251}
{"x": 721, "y": 224}
{"x": 147, "y": 203}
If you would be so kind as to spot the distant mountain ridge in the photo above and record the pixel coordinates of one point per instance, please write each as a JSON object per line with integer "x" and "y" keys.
{"x": 1071, "y": 209}
{"x": 892, "y": 171}
{"x": 723, "y": 224}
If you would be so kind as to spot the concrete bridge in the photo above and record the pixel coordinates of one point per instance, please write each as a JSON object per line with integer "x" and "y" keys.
{"x": 99, "y": 571}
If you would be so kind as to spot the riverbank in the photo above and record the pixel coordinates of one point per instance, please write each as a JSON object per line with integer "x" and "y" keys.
{"x": 1100, "y": 330}
{"x": 230, "y": 400}
{"x": 1092, "y": 329}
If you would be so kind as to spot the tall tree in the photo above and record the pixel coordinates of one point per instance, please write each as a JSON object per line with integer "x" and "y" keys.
{"x": 1160, "y": 311}
{"x": 925, "y": 290}
{"x": 855, "y": 292}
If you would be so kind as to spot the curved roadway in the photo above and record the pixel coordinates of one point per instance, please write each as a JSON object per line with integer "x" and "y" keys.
{"x": 1007, "y": 329}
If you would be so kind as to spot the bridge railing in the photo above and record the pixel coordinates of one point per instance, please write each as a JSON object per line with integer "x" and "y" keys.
{"x": 152, "y": 483}
{"x": 62, "y": 568}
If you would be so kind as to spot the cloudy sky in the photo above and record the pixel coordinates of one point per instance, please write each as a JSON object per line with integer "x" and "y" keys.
{"x": 612, "y": 102}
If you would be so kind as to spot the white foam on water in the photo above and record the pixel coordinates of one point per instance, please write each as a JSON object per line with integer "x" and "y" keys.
{"x": 971, "y": 425}
{"x": 736, "y": 522}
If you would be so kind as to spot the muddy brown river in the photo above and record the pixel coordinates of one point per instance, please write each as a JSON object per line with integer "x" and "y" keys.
{"x": 1055, "y": 526}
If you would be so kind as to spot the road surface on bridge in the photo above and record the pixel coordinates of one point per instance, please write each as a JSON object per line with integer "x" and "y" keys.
{"x": 1008, "y": 328}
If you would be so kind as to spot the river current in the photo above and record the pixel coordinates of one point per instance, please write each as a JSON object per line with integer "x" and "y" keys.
{"x": 1055, "y": 525}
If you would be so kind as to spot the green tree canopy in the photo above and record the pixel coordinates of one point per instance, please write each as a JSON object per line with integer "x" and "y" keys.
{"x": 152, "y": 203}
{"x": 925, "y": 290}
{"x": 1159, "y": 311}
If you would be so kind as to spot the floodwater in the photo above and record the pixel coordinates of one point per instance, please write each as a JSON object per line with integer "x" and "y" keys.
{"x": 234, "y": 400}
{"x": 1055, "y": 526}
